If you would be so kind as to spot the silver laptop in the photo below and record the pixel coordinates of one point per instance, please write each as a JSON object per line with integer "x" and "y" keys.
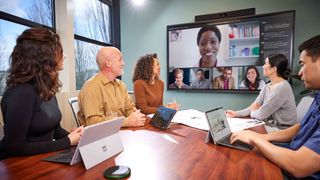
{"x": 219, "y": 130}
{"x": 98, "y": 142}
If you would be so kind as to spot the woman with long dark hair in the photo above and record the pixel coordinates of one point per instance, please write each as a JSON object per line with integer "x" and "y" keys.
{"x": 275, "y": 104}
{"x": 29, "y": 107}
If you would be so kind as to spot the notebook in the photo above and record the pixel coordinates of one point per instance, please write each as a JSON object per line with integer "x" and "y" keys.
{"x": 98, "y": 142}
{"x": 219, "y": 130}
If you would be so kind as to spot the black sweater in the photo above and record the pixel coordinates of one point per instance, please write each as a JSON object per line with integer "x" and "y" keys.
{"x": 31, "y": 126}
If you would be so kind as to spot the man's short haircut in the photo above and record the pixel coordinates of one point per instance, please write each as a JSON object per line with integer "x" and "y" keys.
{"x": 178, "y": 71}
{"x": 228, "y": 68}
{"x": 312, "y": 47}
{"x": 200, "y": 70}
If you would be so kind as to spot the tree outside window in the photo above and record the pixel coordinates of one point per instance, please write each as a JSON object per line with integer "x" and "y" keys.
{"x": 92, "y": 26}
{"x": 28, "y": 12}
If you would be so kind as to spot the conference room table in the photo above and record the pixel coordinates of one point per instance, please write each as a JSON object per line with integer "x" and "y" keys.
{"x": 179, "y": 152}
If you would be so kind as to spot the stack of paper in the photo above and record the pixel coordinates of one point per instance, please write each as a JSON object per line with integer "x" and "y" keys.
{"x": 192, "y": 118}
{"x": 197, "y": 119}
{"x": 238, "y": 124}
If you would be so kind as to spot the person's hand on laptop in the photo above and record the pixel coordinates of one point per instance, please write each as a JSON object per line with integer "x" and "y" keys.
{"x": 246, "y": 136}
{"x": 230, "y": 113}
{"x": 136, "y": 118}
{"x": 75, "y": 135}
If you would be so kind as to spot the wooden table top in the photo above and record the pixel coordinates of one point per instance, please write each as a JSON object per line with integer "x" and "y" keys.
{"x": 176, "y": 153}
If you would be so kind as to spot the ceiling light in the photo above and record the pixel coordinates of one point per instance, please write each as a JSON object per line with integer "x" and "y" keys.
{"x": 138, "y": 2}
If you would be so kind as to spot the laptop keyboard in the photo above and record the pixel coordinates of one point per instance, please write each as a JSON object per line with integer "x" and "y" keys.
{"x": 66, "y": 155}
{"x": 63, "y": 156}
{"x": 226, "y": 140}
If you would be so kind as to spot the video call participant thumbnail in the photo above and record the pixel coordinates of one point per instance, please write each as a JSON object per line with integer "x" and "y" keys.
{"x": 178, "y": 76}
{"x": 200, "y": 82}
{"x": 251, "y": 79}
{"x": 224, "y": 81}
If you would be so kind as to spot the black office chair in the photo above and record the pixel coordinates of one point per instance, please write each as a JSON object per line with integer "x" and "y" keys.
{"x": 75, "y": 108}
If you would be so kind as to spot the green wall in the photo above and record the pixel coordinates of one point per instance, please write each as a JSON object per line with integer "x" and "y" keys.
{"x": 143, "y": 30}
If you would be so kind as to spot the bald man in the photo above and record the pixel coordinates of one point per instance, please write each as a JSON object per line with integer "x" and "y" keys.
{"x": 103, "y": 95}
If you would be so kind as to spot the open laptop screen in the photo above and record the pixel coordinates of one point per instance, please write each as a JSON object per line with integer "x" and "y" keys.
{"x": 218, "y": 123}
{"x": 162, "y": 117}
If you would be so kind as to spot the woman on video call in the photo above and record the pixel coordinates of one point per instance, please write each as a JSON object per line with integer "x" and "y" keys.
{"x": 29, "y": 107}
{"x": 251, "y": 79}
{"x": 275, "y": 104}
{"x": 148, "y": 88}
{"x": 208, "y": 40}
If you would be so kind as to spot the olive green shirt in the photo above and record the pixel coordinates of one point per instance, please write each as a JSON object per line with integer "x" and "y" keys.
{"x": 100, "y": 96}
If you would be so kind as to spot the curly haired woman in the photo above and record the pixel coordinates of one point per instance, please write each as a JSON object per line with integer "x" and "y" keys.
{"x": 29, "y": 107}
{"x": 148, "y": 88}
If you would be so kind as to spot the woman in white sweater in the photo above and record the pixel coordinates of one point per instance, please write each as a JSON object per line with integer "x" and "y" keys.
{"x": 275, "y": 104}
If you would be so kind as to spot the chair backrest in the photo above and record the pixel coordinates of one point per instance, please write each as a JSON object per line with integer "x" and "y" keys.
{"x": 303, "y": 107}
{"x": 75, "y": 108}
{"x": 133, "y": 98}
{"x": 1, "y": 131}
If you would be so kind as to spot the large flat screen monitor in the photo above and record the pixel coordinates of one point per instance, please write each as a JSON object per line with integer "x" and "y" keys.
{"x": 227, "y": 54}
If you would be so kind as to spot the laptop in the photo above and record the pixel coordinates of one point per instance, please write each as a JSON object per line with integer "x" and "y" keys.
{"x": 219, "y": 130}
{"x": 162, "y": 117}
{"x": 98, "y": 142}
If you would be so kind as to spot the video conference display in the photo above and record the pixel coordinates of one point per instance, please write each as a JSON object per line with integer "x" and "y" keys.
{"x": 227, "y": 55}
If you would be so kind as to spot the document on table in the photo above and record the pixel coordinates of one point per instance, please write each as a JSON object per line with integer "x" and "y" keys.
{"x": 197, "y": 119}
{"x": 192, "y": 118}
{"x": 238, "y": 124}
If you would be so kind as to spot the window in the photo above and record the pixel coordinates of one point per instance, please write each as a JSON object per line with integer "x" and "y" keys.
{"x": 8, "y": 37}
{"x": 32, "y": 10}
{"x": 93, "y": 29}
{"x": 92, "y": 20}
{"x": 15, "y": 17}
{"x": 86, "y": 65}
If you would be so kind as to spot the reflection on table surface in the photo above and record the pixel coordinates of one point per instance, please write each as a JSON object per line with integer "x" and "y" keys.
{"x": 176, "y": 153}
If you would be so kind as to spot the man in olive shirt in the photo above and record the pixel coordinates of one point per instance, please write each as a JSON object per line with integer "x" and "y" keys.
{"x": 103, "y": 95}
